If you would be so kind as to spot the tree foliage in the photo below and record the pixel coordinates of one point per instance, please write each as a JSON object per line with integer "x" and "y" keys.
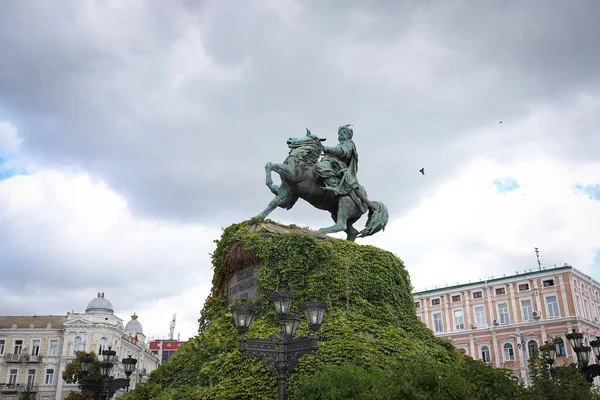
{"x": 74, "y": 374}
{"x": 370, "y": 328}
{"x": 564, "y": 383}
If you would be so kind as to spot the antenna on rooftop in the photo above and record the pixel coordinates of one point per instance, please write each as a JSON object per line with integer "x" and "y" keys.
{"x": 537, "y": 253}
{"x": 172, "y": 327}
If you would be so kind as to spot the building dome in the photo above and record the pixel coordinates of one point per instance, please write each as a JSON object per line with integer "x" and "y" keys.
{"x": 134, "y": 327}
{"x": 99, "y": 305}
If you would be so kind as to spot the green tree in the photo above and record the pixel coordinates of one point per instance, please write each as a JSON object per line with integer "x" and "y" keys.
{"x": 413, "y": 380}
{"x": 74, "y": 374}
{"x": 564, "y": 382}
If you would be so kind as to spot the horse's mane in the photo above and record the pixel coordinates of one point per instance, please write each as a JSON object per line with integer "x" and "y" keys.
{"x": 308, "y": 152}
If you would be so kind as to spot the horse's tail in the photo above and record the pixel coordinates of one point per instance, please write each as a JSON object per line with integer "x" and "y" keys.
{"x": 378, "y": 219}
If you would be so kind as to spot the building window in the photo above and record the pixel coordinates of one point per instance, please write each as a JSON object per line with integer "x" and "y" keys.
{"x": 18, "y": 347}
{"x": 30, "y": 379}
{"x": 509, "y": 353}
{"x": 12, "y": 376}
{"x": 419, "y": 317}
{"x": 49, "y": 377}
{"x": 477, "y": 295}
{"x": 35, "y": 347}
{"x": 463, "y": 350}
{"x": 435, "y": 302}
{"x": 560, "y": 347}
{"x": 552, "y": 306}
{"x": 503, "y": 313}
{"x": 459, "y": 321}
{"x": 417, "y": 304}
{"x": 485, "y": 354}
{"x": 532, "y": 348}
{"x": 456, "y": 298}
{"x": 437, "y": 322}
{"x": 53, "y": 347}
{"x": 102, "y": 345}
{"x": 501, "y": 291}
{"x": 549, "y": 282}
{"x": 77, "y": 345}
{"x": 523, "y": 286}
{"x": 480, "y": 316}
{"x": 2, "y": 344}
{"x": 526, "y": 310}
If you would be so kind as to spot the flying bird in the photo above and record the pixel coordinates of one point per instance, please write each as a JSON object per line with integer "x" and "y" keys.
{"x": 500, "y": 122}
{"x": 422, "y": 170}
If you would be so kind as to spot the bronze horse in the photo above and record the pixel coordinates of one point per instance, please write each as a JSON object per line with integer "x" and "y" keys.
{"x": 298, "y": 180}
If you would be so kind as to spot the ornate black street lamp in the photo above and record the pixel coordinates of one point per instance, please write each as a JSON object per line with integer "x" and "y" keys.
{"x": 583, "y": 354}
{"x": 106, "y": 386}
{"x": 280, "y": 356}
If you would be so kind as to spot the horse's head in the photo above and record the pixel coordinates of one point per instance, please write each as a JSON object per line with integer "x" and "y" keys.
{"x": 309, "y": 140}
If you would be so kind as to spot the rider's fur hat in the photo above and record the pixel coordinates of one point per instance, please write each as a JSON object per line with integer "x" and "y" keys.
{"x": 348, "y": 129}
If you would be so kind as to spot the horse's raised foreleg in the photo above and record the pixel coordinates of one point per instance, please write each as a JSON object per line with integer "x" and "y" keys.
{"x": 283, "y": 171}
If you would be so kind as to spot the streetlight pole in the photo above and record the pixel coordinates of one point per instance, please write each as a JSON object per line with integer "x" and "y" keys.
{"x": 280, "y": 356}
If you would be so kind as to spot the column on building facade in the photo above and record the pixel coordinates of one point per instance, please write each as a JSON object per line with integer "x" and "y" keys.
{"x": 495, "y": 349}
{"x": 521, "y": 344}
{"x": 563, "y": 295}
{"x": 511, "y": 287}
{"x": 535, "y": 295}
{"x": 488, "y": 301}
{"x": 468, "y": 320}
{"x": 472, "y": 345}
{"x": 447, "y": 311}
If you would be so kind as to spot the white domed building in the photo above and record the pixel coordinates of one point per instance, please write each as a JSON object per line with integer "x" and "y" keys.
{"x": 98, "y": 329}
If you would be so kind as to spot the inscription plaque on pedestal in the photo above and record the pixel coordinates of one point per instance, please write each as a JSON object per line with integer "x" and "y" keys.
{"x": 242, "y": 285}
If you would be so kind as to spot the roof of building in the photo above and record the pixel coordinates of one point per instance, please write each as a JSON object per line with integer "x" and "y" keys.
{"x": 38, "y": 321}
{"x": 99, "y": 305}
{"x": 134, "y": 327}
{"x": 492, "y": 280}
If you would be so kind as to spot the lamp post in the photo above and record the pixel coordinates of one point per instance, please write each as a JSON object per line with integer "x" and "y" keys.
{"x": 583, "y": 354}
{"x": 106, "y": 386}
{"x": 280, "y": 356}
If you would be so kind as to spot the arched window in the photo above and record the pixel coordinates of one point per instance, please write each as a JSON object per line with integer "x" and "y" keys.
{"x": 102, "y": 345}
{"x": 509, "y": 352}
{"x": 485, "y": 354}
{"x": 77, "y": 345}
{"x": 532, "y": 347}
{"x": 464, "y": 351}
{"x": 560, "y": 347}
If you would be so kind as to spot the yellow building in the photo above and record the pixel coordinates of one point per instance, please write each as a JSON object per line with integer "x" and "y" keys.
{"x": 501, "y": 321}
{"x": 34, "y": 350}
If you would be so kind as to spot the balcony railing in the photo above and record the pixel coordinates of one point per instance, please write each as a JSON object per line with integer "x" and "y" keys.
{"x": 12, "y": 357}
{"x": 33, "y": 358}
{"x": 18, "y": 358}
{"x": 9, "y": 388}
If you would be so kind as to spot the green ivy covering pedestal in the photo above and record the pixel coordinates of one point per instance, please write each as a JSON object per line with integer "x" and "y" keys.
{"x": 370, "y": 321}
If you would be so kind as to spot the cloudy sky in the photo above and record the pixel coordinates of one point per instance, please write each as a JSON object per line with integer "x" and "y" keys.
{"x": 132, "y": 131}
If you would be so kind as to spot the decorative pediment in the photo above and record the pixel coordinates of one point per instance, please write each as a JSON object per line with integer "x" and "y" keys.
{"x": 79, "y": 320}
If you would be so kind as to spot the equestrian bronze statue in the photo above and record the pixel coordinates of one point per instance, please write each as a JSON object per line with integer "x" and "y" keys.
{"x": 329, "y": 183}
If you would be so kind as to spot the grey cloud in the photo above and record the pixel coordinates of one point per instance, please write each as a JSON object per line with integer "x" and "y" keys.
{"x": 100, "y": 94}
